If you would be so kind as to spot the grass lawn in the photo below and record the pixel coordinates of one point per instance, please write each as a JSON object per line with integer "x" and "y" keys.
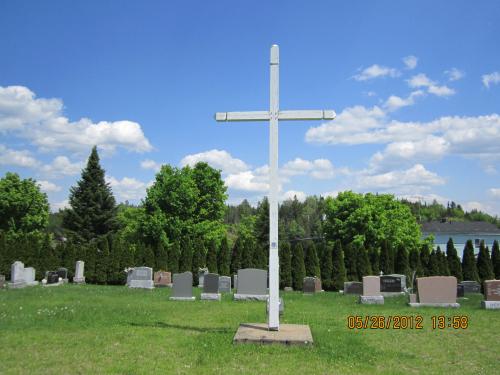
{"x": 113, "y": 329}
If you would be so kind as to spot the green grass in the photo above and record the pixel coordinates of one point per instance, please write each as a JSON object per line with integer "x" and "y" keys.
{"x": 113, "y": 329}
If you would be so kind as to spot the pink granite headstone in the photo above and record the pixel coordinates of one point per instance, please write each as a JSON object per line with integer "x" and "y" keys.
{"x": 162, "y": 278}
{"x": 371, "y": 286}
{"x": 437, "y": 289}
{"x": 492, "y": 290}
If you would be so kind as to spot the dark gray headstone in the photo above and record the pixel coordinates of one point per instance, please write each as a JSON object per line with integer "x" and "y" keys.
{"x": 224, "y": 284}
{"x": 353, "y": 287}
{"x": 309, "y": 285}
{"x": 252, "y": 281}
{"x": 211, "y": 283}
{"x": 52, "y": 277}
{"x": 390, "y": 284}
{"x": 471, "y": 287}
{"x": 62, "y": 272}
{"x": 183, "y": 285}
{"x": 460, "y": 290}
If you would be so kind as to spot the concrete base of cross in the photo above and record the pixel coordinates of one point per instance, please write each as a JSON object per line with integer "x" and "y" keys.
{"x": 288, "y": 334}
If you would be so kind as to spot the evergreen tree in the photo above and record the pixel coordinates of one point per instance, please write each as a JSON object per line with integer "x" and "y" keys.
{"x": 363, "y": 267}
{"x": 199, "y": 258}
{"x": 223, "y": 258}
{"x": 115, "y": 256}
{"x": 298, "y": 267}
{"x": 173, "y": 257}
{"x": 385, "y": 259}
{"x": 484, "y": 265}
{"x": 327, "y": 268}
{"x": 212, "y": 257}
{"x": 186, "y": 257}
{"x": 68, "y": 257}
{"x": 495, "y": 259}
{"x": 415, "y": 264}
{"x": 425, "y": 257}
{"x": 4, "y": 256}
{"x": 443, "y": 263}
{"x": 148, "y": 259}
{"x": 350, "y": 255}
{"x": 401, "y": 261}
{"x": 247, "y": 254}
{"x": 339, "y": 272}
{"x": 374, "y": 260}
{"x": 285, "y": 265}
{"x": 236, "y": 255}
{"x": 311, "y": 260}
{"x": 453, "y": 260}
{"x": 434, "y": 264}
{"x": 469, "y": 267}
{"x": 47, "y": 260}
{"x": 93, "y": 209}
{"x": 90, "y": 261}
{"x": 259, "y": 257}
{"x": 161, "y": 256}
{"x": 101, "y": 263}
{"x": 126, "y": 261}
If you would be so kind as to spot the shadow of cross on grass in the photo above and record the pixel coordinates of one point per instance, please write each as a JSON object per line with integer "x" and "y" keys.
{"x": 186, "y": 328}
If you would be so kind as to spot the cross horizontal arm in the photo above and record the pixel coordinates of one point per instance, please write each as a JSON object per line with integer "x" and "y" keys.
{"x": 283, "y": 115}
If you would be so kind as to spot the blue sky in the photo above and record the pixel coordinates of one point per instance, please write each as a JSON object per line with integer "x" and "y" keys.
{"x": 416, "y": 88}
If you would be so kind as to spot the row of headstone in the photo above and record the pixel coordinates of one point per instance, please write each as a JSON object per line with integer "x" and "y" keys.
{"x": 389, "y": 285}
{"x": 21, "y": 276}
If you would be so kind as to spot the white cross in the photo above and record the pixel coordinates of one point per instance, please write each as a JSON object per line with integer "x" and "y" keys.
{"x": 273, "y": 115}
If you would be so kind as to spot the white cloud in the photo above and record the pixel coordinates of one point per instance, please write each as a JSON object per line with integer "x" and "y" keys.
{"x": 415, "y": 178}
{"x": 474, "y": 205}
{"x": 425, "y": 198}
{"x": 246, "y": 181}
{"x": 420, "y": 80}
{"x": 395, "y": 102}
{"x": 290, "y": 194}
{"x": 219, "y": 159}
{"x": 410, "y": 62}
{"x": 17, "y": 158}
{"x": 150, "y": 164}
{"x": 59, "y": 205}
{"x": 48, "y": 187}
{"x": 440, "y": 90}
{"x": 454, "y": 74}
{"x": 495, "y": 192}
{"x": 376, "y": 71}
{"x": 127, "y": 188}
{"x": 332, "y": 194}
{"x": 321, "y": 169}
{"x": 61, "y": 166}
{"x": 42, "y": 122}
{"x": 492, "y": 78}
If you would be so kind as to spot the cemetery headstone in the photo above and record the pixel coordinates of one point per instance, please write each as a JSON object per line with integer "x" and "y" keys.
{"x": 224, "y": 284}
{"x": 211, "y": 287}
{"x": 182, "y": 288}
{"x": 309, "y": 285}
{"x": 52, "y": 278}
{"x": 29, "y": 276}
{"x": 140, "y": 277}
{"x": 471, "y": 287}
{"x": 392, "y": 285}
{"x": 491, "y": 295}
{"x": 460, "y": 290}
{"x": 353, "y": 287}
{"x": 252, "y": 285}
{"x": 201, "y": 276}
{"x": 438, "y": 291}
{"x": 2, "y": 281}
{"x": 79, "y": 267}
{"x": 63, "y": 274}
{"x": 317, "y": 285}
{"x": 17, "y": 275}
{"x": 288, "y": 289}
{"x": 371, "y": 291}
{"x": 163, "y": 279}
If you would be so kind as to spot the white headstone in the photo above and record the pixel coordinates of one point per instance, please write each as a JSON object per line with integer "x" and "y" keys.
{"x": 140, "y": 277}
{"x": 79, "y": 267}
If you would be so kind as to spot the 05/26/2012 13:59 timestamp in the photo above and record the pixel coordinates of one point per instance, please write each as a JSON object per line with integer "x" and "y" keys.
{"x": 407, "y": 322}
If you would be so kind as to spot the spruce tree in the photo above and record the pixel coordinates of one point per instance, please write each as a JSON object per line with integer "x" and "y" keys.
{"x": 90, "y": 261}
{"x": 484, "y": 265}
{"x": 469, "y": 267}
{"x": 93, "y": 208}
{"x": 401, "y": 264}
{"x": 415, "y": 264}
{"x": 236, "y": 255}
{"x": 161, "y": 256}
{"x": 46, "y": 260}
{"x": 350, "y": 256}
{"x": 247, "y": 254}
{"x": 223, "y": 258}
{"x": 126, "y": 261}
{"x": 374, "y": 260}
{"x": 443, "y": 263}
{"x": 285, "y": 264}
{"x": 68, "y": 257}
{"x": 425, "y": 256}
{"x": 453, "y": 260}
{"x": 385, "y": 261}
{"x": 212, "y": 257}
{"x": 259, "y": 257}
{"x": 338, "y": 265}
{"x": 363, "y": 266}
{"x": 148, "y": 258}
{"x": 4, "y": 258}
{"x": 327, "y": 268}
{"x": 186, "y": 256}
{"x": 495, "y": 259}
{"x": 199, "y": 258}
{"x": 434, "y": 264}
{"x": 173, "y": 257}
{"x": 115, "y": 256}
{"x": 101, "y": 263}
{"x": 298, "y": 267}
{"x": 311, "y": 260}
